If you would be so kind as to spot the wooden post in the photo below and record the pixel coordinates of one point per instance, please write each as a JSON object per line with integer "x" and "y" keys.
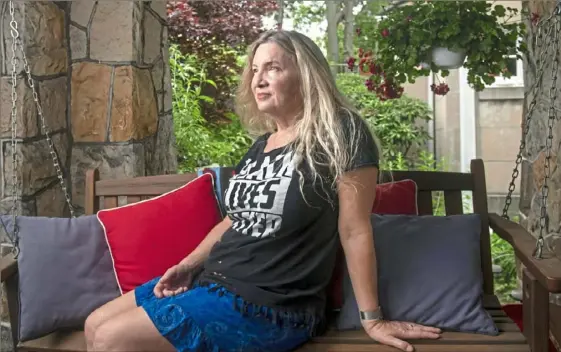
{"x": 536, "y": 313}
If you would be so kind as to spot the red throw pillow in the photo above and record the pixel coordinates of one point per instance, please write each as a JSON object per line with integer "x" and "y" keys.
{"x": 399, "y": 197}
{"x": 148, "y": 237}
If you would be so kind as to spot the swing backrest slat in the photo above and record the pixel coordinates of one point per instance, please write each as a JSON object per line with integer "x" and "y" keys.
{"x": 446, "y": 187}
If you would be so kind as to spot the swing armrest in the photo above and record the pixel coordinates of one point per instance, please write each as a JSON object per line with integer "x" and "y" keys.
{"x": 8, "y": 267}
{"x": 546, "y": 270}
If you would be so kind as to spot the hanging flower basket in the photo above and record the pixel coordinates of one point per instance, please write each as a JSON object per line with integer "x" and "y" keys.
{"x": 446, "y": 59}
{"x": 425, "y": 37}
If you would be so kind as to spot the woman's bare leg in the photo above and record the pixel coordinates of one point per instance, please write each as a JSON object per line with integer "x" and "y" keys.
{"x": 108, "y": 311}
{"x": 131, "y": 331}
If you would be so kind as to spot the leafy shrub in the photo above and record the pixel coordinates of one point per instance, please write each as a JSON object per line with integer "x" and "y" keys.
{"x": 216, "y": 32}
{"x": 399, "y": 124}
{"x": 503, "y": 255}
{"x": 199, "y": 142}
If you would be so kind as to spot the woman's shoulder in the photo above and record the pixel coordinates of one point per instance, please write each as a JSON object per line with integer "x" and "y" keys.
{"x": 359, "y": 139}
{"x": 263, "y": 137}
{"x": 353, "y": 125}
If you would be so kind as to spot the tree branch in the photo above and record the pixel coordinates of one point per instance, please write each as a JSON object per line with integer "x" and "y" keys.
{"x": 340, "y": 13}
{"x": 393, "y": 5}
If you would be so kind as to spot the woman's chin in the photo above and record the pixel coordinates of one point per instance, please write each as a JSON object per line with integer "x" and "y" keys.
{"x": 266, "y": 108}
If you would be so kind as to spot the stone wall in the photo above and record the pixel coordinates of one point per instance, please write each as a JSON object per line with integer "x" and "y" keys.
{"x": 101, "y": 70}
{"x": 532, "y": 177}
{"x": 103, "y": 82}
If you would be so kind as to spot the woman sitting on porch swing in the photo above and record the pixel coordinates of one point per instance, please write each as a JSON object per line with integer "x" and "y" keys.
{"x": 258, "y": 280}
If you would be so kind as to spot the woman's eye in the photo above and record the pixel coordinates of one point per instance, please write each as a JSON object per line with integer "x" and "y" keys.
{"x": 275, "y": 68}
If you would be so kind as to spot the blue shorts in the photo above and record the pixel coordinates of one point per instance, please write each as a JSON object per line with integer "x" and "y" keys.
{"x": 205, "y": 319}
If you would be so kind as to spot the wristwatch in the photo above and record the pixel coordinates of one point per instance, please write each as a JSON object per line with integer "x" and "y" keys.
{"x": 375, "y": 314}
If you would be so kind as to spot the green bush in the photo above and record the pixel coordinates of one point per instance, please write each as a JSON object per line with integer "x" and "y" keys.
{"x": 424, "y": 162}
{"x": 200, "y": 143}
{"x": 503, "y": 255}
{"x": 399, "y": 124}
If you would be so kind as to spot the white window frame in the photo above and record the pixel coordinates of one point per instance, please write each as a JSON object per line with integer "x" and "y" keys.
{"x": 515, "y": 80}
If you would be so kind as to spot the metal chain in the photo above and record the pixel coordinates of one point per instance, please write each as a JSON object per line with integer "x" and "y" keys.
{"x": 15, "y": 34}
{"x": 46, "y": 130}
{"x": 552, "y": 118}
{"x": 534, "y": 93}
{"x": 17, "y": 42}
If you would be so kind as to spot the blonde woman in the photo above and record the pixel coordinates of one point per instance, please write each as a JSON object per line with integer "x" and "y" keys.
{"x": 257, "y": 282}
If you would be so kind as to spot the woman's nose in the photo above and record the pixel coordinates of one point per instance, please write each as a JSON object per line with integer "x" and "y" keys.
{"x": 260, "y": 79}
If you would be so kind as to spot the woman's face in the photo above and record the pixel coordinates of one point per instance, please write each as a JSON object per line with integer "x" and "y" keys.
{"x": 275, "y": 82}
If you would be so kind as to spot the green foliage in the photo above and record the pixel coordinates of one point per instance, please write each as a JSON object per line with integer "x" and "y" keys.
{"x": 199, "y": 142}
{"x": 406, "y": 36}
{"x": 425, "y": 161}
{"x": 366, "y": 22}
{"x": 503, "y": 255}
{"x": 305, "y": 13}
{"x": 398, "y": 123}
{"x": 216, "y": 32}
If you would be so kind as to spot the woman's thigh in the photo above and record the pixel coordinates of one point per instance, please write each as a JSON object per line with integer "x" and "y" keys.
{"x": 205, "y": 319}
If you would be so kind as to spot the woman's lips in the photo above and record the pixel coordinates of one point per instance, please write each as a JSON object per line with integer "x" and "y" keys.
{"x": 263, "y": 96}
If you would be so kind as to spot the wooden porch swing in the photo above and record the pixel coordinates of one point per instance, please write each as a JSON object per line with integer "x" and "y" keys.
{"x": 541, "y": 275}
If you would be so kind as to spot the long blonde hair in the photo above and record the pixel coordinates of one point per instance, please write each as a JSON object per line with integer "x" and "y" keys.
{"x": 320, "y": 136}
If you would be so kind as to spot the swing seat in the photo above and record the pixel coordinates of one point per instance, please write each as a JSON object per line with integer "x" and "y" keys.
{"x": 540, "y": 276}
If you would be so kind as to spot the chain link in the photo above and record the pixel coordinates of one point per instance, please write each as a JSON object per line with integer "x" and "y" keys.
{"x": 534, "y": 93}
{"x": 46, "y": 130}
{"x": 17, "y": 43}
{"x": 552, "y": 118}
{"x": 15, "y": 34}
{"x": 542, "y": 42}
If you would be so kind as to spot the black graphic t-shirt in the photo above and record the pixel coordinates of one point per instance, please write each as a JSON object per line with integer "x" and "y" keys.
{"x": 280, "y": 250}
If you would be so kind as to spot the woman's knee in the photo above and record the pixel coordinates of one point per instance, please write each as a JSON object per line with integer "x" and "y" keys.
{"x": 130, "y": 331}
{"x": 93, "y": 321}
{"x": 106, "y": 336}
{"x": 108, "y": 311}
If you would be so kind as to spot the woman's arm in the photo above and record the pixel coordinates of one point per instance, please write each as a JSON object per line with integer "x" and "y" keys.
{"x": 196, "y": 258}
{"x": 356, "y": 197}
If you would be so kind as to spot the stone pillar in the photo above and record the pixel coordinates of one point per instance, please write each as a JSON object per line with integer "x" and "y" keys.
{"x": 532, "y": 170}
{"x": 102, "y": 75}
{"x": 46, "y": 50}
{"x": 120, "y": 95}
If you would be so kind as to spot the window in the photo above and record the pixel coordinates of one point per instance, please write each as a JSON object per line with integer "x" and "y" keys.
{"x": 516, "y": 67}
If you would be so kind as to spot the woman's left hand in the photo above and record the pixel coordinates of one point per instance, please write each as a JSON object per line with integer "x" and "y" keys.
{"x": 391, "y": 333}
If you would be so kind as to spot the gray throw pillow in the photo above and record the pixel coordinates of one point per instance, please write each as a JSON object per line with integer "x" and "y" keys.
{"x": 65, "y": 272}
{"x": 429, "y": 272}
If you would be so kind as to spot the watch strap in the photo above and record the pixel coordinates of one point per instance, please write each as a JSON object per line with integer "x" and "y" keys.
{"x": 371, "y": 314}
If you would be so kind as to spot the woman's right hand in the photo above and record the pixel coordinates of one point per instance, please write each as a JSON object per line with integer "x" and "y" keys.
{"x": 175, "y": 280}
